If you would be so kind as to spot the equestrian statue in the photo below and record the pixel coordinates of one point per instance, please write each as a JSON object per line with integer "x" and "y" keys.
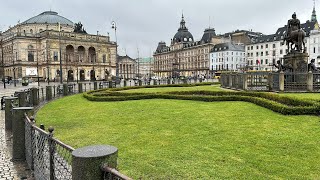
{"x": 295, "y": 36}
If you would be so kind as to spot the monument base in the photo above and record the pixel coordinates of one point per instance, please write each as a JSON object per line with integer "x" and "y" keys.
{"x": 296, "y": 62}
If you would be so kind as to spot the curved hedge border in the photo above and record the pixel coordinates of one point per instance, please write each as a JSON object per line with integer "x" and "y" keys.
{"x": 274, "y": 102}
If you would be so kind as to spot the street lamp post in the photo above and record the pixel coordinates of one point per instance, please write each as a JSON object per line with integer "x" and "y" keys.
{"x": 61, "y": 80}
{"x": 114, "y": 26}
{"x": 4, "y": 78}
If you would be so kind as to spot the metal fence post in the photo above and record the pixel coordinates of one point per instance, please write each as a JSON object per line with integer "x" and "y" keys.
{"x": 86, "y": 161}
{"x": 51, "y": 152}
{"x": 310, "y": 81}
{"x": 270, "y": 81}
{"x": 18, "y": 133}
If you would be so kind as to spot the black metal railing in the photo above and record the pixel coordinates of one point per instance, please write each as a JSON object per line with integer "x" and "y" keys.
{"x": 112, "y": 174}
{"x": 48, "y": 157}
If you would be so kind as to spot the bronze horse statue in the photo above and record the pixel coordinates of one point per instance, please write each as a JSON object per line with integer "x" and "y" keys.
{"x": 295, "y": 35}
{"x": 296, "y": 38}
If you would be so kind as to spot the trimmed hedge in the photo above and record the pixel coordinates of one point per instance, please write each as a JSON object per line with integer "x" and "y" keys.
{"x": 274, "y": 102}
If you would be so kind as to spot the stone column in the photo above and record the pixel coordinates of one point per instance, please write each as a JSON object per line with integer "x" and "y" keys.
{"x": 245, "y": 81}
{"x": 281, "y": 81}
{"x": 80, "y": 89}
{"x": 34, "y": 96}
{"x": 18, "y": 133}
{"x": 48, "y": 93}
{"x": 87, "y": 161}
{"x": 310, "y": 81}
{"x": 8, "y": 112}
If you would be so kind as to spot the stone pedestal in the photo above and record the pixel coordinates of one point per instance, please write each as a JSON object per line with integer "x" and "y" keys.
{"x": 35, "y": 96}
{"x": 95, "y": 85}
{"x": 48, "y": 93}
{"x": 65, "y": 89}
{"x": 80, "y": 88}
{"x": 87, "y": 161}
{"x": 18, "y": 133}
{"x": 8, "y": 111}
{"x": 298, "y": 62}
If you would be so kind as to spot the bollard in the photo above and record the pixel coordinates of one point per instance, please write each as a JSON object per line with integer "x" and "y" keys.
{"x": 65, "y": 89}
{"x": 48, "y": 93}
{"x": 87, "y": 161}
{"x": 22, "y": 96}
{"x": 8, "y": 112}
{"x": 34, "y": 96}
{"x": 80, "y": 88}
{"x": 95, "y": 85}
{"x": 18, "y": 132}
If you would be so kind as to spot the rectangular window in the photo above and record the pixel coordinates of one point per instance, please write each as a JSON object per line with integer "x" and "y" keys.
{"x": 251, "y": 47}
{"x": 266, "y": 61}
{"x": 261, "y": 46}
{"x": 267, "y": 46}
{"x": 274, "y": 46}
{"x": 281, "y": 52}
{"x": 261, "y": 53}
{"x": 261, "y": 61}
{"x": 257, "y": 47}
{"x": 267, "y": 53}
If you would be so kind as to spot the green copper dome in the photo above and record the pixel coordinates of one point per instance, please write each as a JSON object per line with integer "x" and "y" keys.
{"x": 49, "y": 17}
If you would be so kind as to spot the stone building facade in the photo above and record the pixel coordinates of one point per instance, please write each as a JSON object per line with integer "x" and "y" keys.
{"x": 38, "y": 46}
{"x": 227, "y": 57}
{"x": 127, "y": 67}
{"x": 184, "y": 57}
{"x": 189, "y": 58}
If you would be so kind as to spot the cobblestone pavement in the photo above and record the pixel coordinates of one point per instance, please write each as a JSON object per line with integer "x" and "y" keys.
{"x": 10, "y": 169}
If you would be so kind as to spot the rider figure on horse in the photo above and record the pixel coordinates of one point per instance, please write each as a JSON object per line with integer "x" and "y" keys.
{"x": 295, "y": 35}
{"x": 293, "y": 24}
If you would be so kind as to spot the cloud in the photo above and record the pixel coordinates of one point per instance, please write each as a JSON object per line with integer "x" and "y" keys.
{"x": 143, "y": 23}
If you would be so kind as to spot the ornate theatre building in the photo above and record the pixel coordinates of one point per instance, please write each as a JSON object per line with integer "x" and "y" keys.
{"x": 40, "y": 45}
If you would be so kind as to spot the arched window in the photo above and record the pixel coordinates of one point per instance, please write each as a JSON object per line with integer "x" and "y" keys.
{"x": 31, "y": 31}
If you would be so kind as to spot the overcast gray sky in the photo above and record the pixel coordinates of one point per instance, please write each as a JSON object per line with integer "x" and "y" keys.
{"x": 143, "y": 23}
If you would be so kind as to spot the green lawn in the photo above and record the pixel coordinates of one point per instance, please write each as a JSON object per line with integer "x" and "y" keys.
{"x": 170, "y": 89}
{"x": 172, "y": 139}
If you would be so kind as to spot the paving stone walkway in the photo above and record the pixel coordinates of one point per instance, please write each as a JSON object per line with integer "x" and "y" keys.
{"x": 10, "y": 169}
